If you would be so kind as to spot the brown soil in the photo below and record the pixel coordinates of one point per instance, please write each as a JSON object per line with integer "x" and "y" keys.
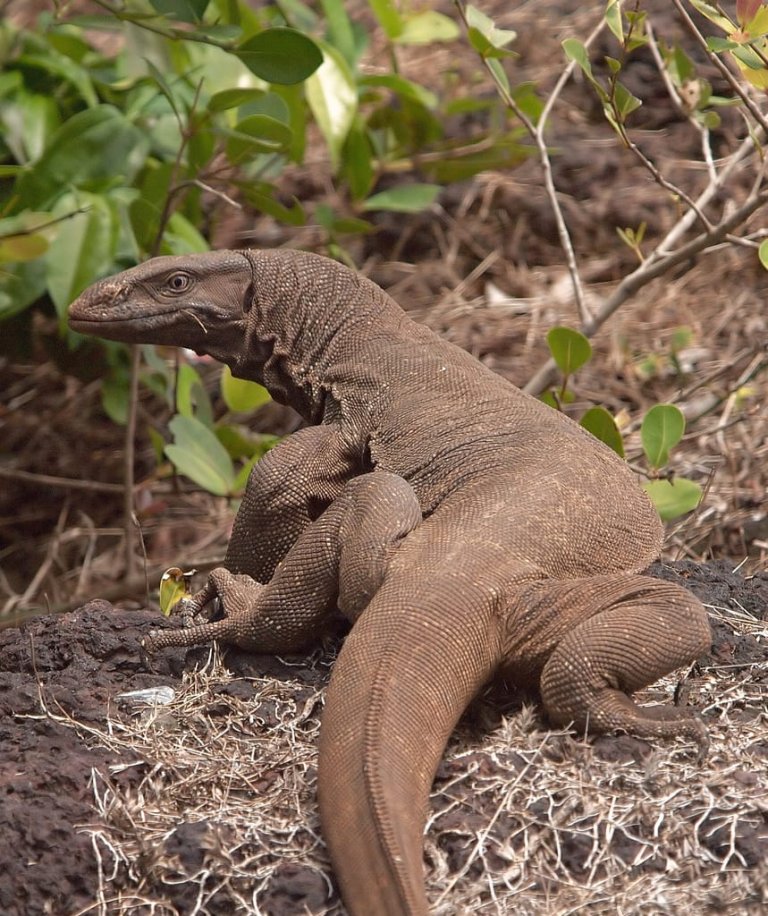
{"x": 111, "y": 807}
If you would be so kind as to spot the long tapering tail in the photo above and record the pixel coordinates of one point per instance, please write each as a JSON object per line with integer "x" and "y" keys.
{"x": 400, "y": 684}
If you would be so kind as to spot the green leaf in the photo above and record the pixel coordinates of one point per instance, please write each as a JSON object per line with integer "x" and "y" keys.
{"x": 261, "y": 196}
{"x": 557, "y": 399}
{"x": 500, "y": 74}
{"x": 356, "y": 161}
{"x": 198, "y": 454}
{"x": 182, "y": 237}
{"x": 264, "y": 445}
{"x": 625, "y": 102}
{"x": 662, "y": 428}
{"x": 293, "y": 98}
{"x": 407, "y": 198}
{"x": 718, "y": 45}
{"x": 232, "y": 98}
{"x": 332, "y": 97}
{"x": 484, "y": 26}
{"x": 681, "y": 66}
{"x": 758, "y": 25}
{"x": 528, "y": 101}
{"x": 598, "y": 421}
{"x": 455, "y": 165}
{"x": 181, "y": 10}
{"x": 93, "y": 148}
{"x": 240, "y": 394}
{"x": 613, "y": 19}
{"x": 340, "y": 33}
{"x": 146, "y": 210}
{"x": 762, "y": 253}
{"x": 280, "y": 55}
{"x": 706, "y": 9}
{"x": 21, "y": 283}
{"x": 191, "y": 397}
{"x": 174, "y": 585}
{"x": 27, "y": 122}
{"x": 570, "y": 349}
{"x": 240, "y": 442}
{"x": 575, "y": 50}
{"x": 83, "y": 249}
{"x": 426, "y": 27}
{"x": 202, "y": 144}
{"x": 166, "y": 90}
{"x": 62, "y": 68}
{"x": 327, "y": 218}
{"x": 115, "y": 396}
{"x": 548, "y": 398}
{"x": 673, "y": 498}
{"x": 256, "y": 134}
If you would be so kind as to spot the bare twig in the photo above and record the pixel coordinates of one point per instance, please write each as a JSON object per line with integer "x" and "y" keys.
{"x": 62, "y": 483}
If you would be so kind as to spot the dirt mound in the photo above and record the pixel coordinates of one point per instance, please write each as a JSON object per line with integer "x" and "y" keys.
{"x": 206, "y": 803}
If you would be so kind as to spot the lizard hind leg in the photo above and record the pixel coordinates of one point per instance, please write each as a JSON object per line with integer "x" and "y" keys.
{"x": 642, "y": 629}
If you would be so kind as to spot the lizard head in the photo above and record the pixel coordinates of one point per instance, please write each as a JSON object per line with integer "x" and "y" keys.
{"x": 183, "y": 301}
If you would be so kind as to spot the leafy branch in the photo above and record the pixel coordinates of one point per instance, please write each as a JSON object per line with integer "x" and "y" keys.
{"x": 654, "y": 266}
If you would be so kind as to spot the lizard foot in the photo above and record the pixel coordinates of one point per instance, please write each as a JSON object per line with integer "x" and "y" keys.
{"x": 235, "y": 595}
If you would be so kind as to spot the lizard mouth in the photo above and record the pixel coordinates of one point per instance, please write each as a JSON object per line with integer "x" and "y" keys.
{"x": 135, "y": 329}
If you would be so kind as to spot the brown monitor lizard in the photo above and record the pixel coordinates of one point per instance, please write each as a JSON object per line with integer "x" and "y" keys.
{"x": 469, "y": 531}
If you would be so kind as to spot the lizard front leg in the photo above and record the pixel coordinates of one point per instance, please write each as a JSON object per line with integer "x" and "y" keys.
{"x": 291, "y": 485}
{"x": 342, "y": 557}
{"x": 617, "y": 635}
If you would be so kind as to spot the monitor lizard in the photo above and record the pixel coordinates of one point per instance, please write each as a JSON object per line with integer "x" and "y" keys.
{"x": 468, "y": 530}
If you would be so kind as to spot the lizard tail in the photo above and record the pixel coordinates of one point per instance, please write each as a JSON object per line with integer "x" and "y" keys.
{"x": 401, "y": 682}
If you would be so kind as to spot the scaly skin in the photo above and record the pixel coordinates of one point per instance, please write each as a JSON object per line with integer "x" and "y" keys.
{"x": 468, "y": 530}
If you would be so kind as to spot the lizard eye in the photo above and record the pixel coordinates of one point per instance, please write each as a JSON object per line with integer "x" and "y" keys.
{"x": 178, "y": 282}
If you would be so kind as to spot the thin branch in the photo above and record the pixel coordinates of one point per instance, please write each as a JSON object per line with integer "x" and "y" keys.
{"x": 683, "y": 109}
{"x": 30, "y": 230}
{"x": 536, "y": 132}
{"x": 130, "y": 522}
{"x": 659, "y": 178}
{"x": 63, "y": 483}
